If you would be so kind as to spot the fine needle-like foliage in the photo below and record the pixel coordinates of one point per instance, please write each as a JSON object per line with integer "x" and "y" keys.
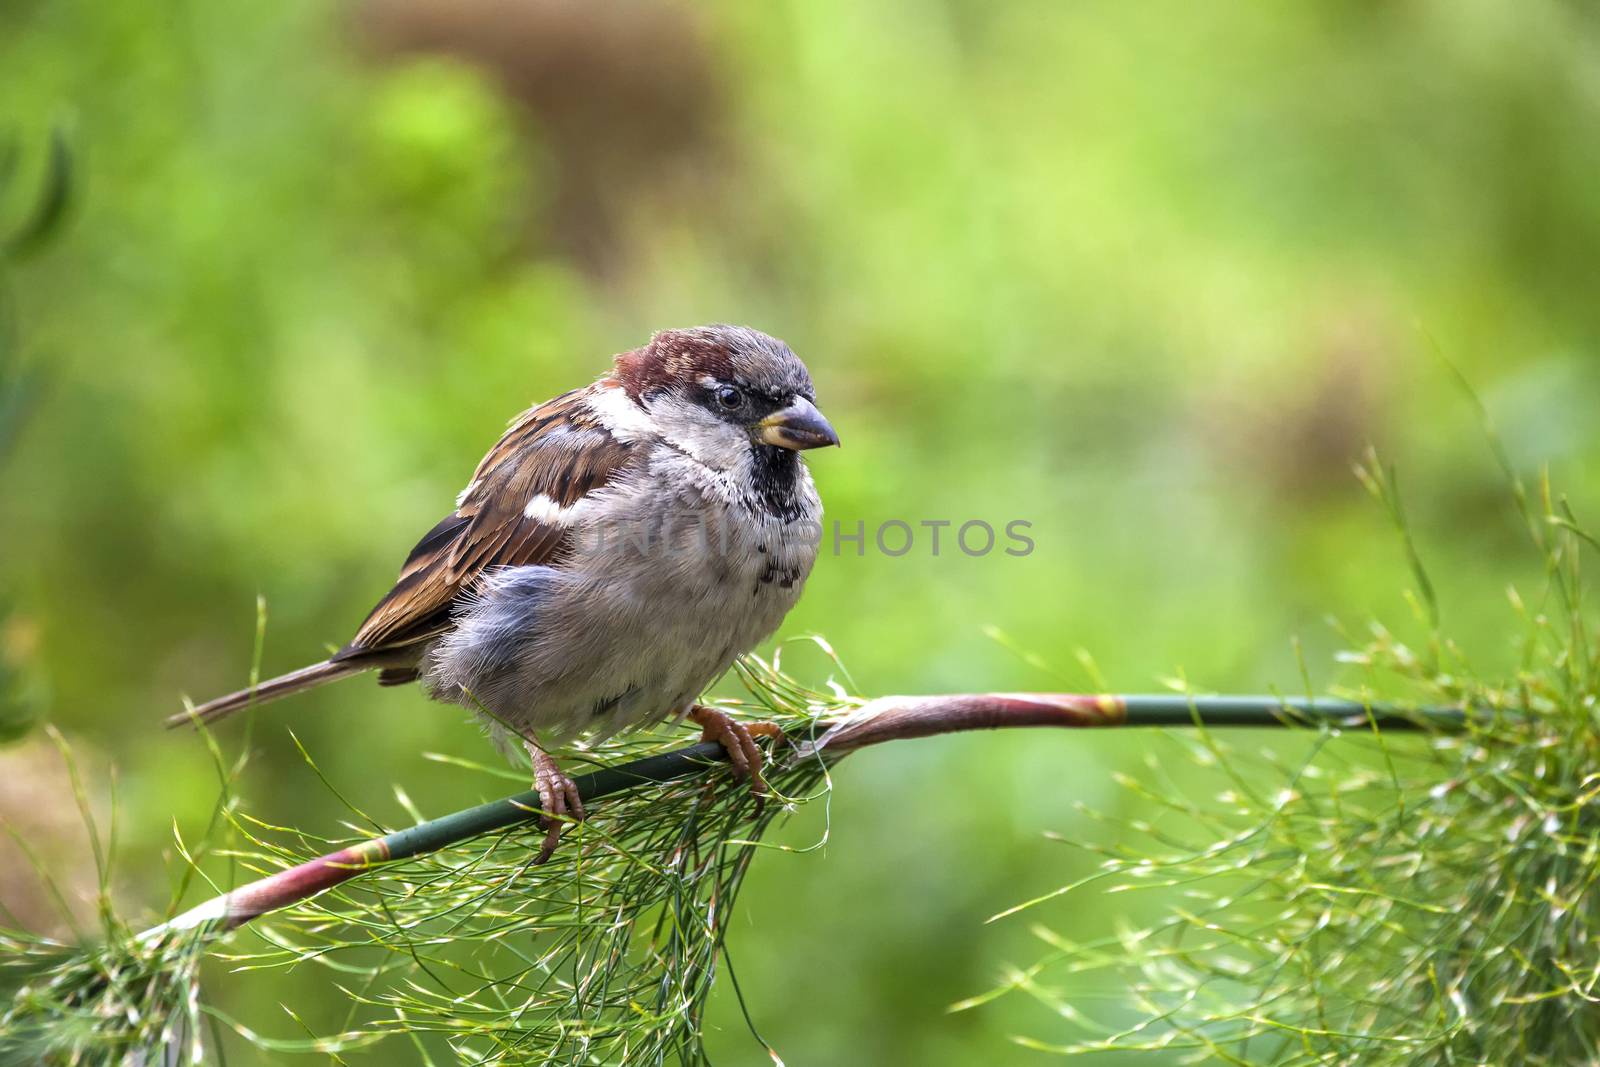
{"x": 129, "y": 1001}
{"x": 605, "y": 954}
{"x": 1382, "y": 899}
{"x": 469, "y": 954}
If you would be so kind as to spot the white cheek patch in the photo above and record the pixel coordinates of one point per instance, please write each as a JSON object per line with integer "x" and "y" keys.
{"x": 545, "y": 509}
{"x": 715, "y": 442}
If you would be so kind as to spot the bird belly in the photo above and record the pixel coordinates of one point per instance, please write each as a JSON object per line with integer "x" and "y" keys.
{"x": 621, "y": 635}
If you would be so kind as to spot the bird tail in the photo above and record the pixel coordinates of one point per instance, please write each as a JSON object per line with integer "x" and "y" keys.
{"x": 271, "y": 689}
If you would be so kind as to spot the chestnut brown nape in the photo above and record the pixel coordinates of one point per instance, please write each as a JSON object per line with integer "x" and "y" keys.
{"x": 672, "y": 357}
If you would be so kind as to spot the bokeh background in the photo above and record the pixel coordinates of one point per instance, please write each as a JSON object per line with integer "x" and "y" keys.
{"x": 1147, "y": 276}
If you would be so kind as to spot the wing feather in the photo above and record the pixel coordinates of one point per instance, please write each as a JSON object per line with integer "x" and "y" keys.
{"x": 560, "y": 451}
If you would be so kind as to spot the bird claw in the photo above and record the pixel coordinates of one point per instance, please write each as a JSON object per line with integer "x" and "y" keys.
{"x": 738, "y": 739}
{"x": 558, "y": 799}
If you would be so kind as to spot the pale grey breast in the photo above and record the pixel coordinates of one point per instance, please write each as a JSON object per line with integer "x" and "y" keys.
{"x": 673, "y": 571}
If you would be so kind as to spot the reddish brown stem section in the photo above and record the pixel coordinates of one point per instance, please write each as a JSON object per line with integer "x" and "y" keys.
{"x": 900, "y": 718}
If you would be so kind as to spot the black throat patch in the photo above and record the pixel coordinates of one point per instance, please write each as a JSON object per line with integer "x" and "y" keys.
{"x": 775, "y": 473}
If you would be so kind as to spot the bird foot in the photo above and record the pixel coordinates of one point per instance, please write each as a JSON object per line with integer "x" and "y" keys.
{"x": 558, "y": 799}
{"x": 738, "y": 739}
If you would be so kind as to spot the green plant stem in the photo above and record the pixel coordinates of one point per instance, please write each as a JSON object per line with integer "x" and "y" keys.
{"x": 885, "y": 719}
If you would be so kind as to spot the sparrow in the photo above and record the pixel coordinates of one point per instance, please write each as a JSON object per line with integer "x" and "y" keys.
{"x": 613, "y": 554}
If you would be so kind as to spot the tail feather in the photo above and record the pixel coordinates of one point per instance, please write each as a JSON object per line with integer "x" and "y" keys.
{"x": 271, "y": 689}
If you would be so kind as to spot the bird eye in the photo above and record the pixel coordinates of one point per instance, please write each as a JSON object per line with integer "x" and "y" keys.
{"x": 729, "y": 397}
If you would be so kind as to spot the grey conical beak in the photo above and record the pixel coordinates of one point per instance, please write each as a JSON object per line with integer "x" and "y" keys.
{"x": 798, "y": 426}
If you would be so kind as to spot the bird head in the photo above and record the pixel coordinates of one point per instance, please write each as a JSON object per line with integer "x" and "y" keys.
{"x": 719, "y": 392}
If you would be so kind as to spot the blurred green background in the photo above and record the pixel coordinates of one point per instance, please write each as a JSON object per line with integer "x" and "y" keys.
{"x": 1148, "y": 276}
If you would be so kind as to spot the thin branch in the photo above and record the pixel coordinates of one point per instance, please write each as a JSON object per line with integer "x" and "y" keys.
{"x": 881, "y": 720}
{"x": 900, "y": 717}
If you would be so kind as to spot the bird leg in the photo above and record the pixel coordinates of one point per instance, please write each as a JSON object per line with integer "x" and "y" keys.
{"x": 739, "y": 741}
{"x": 558, "y": 798}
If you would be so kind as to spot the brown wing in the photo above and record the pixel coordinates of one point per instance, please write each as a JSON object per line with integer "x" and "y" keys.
{"x": 552, "y": 457}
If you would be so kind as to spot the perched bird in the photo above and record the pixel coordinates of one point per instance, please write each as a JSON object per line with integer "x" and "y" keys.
{"x": 614, "y": 553}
